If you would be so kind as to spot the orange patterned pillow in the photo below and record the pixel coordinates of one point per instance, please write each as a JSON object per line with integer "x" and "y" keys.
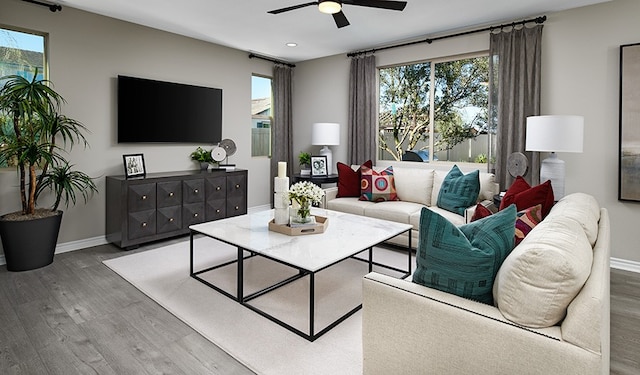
{"x": 377, "y": 186}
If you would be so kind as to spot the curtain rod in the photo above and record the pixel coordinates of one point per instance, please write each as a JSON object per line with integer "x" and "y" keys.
{"x": 537, "y": 20}
{"x": 254, "y": 56}
{"x": 52, "y": 7}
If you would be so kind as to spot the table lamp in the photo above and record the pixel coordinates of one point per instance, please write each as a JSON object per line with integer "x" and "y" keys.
{"x": 326, "y": 134}
{"x": 554, "y": 134}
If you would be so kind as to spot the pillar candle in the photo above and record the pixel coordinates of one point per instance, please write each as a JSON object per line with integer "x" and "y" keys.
{"x": 282, "y": 169}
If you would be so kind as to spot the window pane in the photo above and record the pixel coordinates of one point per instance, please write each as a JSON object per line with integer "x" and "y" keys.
{"x": 260, "y": 116}
{"x": 20, "y": 54}
{"x": 461, "y": 97}
{"x": 404, "y": 110}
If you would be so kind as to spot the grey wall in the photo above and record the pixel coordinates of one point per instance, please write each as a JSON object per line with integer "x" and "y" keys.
{"x": 87, "y": 52}
{"x": 579, "y": 76}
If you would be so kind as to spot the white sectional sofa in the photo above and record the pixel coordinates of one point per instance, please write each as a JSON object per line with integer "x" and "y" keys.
{"x": 417, "y": 186}
{"x": 545, "y": 319}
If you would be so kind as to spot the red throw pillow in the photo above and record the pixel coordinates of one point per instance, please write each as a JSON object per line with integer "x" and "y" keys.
{"x": 349, "y": 180}
{"x": 524, "y": 196}
{"x": 480, "y": 212}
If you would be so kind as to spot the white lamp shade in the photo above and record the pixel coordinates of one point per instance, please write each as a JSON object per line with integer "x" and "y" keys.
{"x": 555, "y": 133}
{"x": 325, "y": 134}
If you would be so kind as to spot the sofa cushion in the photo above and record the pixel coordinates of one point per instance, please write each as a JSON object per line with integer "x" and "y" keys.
{"x": 524, "y": 196}
{"x": 544, "y": 273}
{"x": 459, "y": 191}
{"x": 463, "y": 260}
{"x": 377, "y": 186}
{"x": 582, "y": 208}
{"x": 349, "y": 205}
{"x": 413, "y": 184}
{"x": 526, "y": 219}
{"x": 397, "y": 211}
{"x": 349, "y": 179}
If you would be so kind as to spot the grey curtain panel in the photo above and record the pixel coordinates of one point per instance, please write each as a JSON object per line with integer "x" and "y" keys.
{"x": 362, "y": 109}
{"x": 514, "y": 84}
{"x": 282, "y": 127}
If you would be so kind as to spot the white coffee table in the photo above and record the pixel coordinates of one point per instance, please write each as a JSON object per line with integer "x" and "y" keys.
{"x": 345, "y": 236}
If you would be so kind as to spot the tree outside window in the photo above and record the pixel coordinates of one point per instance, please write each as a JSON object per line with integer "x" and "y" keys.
{"x": 261, "y": 113}
{"x": 440, "y": 106}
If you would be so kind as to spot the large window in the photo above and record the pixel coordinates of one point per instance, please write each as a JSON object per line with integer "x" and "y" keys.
{"x": 260, "y": 116}
{"x": 436, "y": 107}
{"x": 21, "y": 53}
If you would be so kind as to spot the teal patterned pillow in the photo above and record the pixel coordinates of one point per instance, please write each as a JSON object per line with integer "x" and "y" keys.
{"x": 459, "y": 191}
{"x": 463, "y": 260}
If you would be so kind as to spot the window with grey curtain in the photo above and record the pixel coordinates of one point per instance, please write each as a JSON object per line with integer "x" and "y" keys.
{"x": 362, "y": 109}
{"x": 514, "y": 84}
{"x": 282, "y": 127}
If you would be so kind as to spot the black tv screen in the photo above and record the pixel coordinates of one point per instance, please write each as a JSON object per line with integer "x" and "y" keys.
{"x": 157, "y": 111}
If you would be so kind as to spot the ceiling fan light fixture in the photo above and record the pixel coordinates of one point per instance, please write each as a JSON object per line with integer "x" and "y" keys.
{"x": 329, "y": 7}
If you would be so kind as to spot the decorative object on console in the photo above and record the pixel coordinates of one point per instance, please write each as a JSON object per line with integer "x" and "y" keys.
{"x": 134, "y": 165}
{"x": 554, "y": 134}
{"x": 303, "y": 194}
{"x": 319, "y": 166}
{"x": 326, "y": 134}
{"x": 281, "y": 195}
{"x": 524, "y": 196}
{"x": 517, "y": 164}
{"x": 203, "y": 157}
{"x": 229, "y": 147}
{"x": 377, "y": 186}
{"x": 463, "y": 260}
{"x": 349, "y": 180}
{"x": 459, "y": 191}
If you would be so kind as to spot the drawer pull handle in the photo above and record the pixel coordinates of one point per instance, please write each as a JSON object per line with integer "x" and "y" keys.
{"x": 237, "y": 186}
{"x": 237, "y": 208}
{"x": 171, "y": 220}
{"x": 195, "y": 215}
{"x": 144, "y": 225}
{"x": 171, "y": 194}
{"x": 218, "y": 211}
{"x": 144, "y": 197}
{"x": 218, "y": 188}
{"x": 195, "y": 191}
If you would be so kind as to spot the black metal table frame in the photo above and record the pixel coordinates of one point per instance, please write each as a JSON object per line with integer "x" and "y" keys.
{"x": 244, "y": 300}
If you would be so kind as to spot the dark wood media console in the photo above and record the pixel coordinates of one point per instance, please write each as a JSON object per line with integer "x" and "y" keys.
{"x": 163, "y": 205}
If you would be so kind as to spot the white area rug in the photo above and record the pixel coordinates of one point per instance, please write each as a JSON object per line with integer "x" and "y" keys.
{"x": 263, "y": 346}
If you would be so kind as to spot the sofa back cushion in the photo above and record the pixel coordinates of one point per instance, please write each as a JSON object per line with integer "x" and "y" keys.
{"x": 413, "y": 184}
{"x": 544, "y": 273}
{"x": 583, "y": 208}
{"x": 463, "y": 260}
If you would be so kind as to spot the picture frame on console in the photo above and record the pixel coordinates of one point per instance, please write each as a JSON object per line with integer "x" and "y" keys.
{"x": 134, "y": 165}
{"x": 318, "y": 166}
{"x": 629, "y": 162}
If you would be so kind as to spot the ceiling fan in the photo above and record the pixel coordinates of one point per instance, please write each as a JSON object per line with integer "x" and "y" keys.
{"x": 335, "y": 7}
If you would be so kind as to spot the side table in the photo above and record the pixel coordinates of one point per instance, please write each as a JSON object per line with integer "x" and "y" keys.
{"x": 318, "y": 180}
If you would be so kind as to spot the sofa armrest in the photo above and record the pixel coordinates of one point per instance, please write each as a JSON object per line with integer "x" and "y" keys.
{"x": 329, "y": 194}
{"x": 422, "y": 330}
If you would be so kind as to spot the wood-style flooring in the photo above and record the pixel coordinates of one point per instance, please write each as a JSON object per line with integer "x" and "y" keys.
{"x": 76, "y": 316}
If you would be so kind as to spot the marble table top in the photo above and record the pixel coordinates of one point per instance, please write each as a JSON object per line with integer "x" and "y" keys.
{"x": 346, "y": 235}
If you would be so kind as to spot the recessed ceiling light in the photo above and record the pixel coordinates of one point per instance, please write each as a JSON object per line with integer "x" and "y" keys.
{"x": 291, "y": 44}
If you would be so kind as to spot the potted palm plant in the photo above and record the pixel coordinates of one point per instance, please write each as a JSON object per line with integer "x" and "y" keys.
{"x": 34, "y": 137}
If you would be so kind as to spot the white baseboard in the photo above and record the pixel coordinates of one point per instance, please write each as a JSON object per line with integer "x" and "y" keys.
{"x": 625, "y": 265}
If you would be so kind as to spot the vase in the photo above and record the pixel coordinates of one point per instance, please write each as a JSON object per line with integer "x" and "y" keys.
{"x": 302, "y": 211}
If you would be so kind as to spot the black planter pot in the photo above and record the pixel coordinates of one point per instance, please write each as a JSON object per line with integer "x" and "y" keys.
{"x": 30, "y": 244}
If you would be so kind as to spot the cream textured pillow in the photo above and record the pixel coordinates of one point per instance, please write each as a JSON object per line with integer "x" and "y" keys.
{"x": 582, "y": 208}
{"x": 413, "y": 184}
{"x": 544, "y": 273}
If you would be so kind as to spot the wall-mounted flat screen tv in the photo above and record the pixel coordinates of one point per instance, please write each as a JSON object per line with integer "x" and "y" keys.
{"x": 157, "y": 111}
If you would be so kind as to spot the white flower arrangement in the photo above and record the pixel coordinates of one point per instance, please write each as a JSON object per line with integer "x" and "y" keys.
{"x": 305, "y": 191}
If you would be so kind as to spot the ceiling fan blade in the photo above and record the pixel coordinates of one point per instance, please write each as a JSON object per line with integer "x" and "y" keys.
{"x": 383, "y": 4}
{"x": 341, "y": 19}
{"x": 294, "y": 7}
